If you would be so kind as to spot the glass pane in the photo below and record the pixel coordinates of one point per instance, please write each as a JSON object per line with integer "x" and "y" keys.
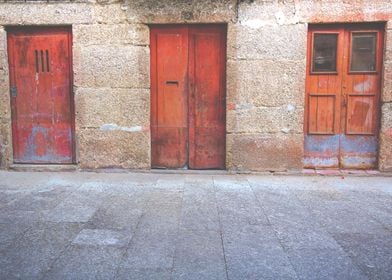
{"x": 324, "y": 52}
{"x": 363, "y": 52}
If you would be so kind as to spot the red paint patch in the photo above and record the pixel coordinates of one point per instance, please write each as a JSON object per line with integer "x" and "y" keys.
{"x": 328, "y": 172}
{"x": 389, "y": 132}
{"x": 231, "y": 106}
{"x": 372, "y": 172}
{"x": 308, "y": 171}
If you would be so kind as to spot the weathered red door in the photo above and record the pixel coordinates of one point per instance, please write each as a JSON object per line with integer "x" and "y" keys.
{"x": 188, "y": 96}
{"x": 40, "y": 81}
{"x": 342, "y": 96}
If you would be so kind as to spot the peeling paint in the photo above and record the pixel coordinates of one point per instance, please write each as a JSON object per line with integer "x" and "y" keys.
{"x": 253, "y": 23}
{"x": 115, "y": 127}
{"x": 290, "y": 108}
{"x": 364, "y": 86}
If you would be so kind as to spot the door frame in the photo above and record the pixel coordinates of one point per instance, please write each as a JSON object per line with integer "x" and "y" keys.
{"x": 19, "y": 30}
{"x": 153, "y": 77}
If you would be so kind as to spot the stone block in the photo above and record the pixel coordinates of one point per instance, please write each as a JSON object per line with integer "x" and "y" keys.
{"x": 388, "y": 46}
{"x": 3, "y": 65}
{"x": 386, "y": 118}
{"x": 115, "y": 13}
{"x": 264, "y": 152}
{"x": 112, "y": 66}
{"x": 118, "y": 149}
{"x": 385, "y": 158}
{"x": 387, "y": 83}
{"x": 123, "y": 107}
{"x": 266, "y": 82}
{"x": 343, "y": 11}
{"x": 267, "y": 42}
{"x": 260, "y": 13}
{"x": 287, "y": 119}
{"x": 3, "y": 40}
{"x": 180, "y": 11}
{"x": 42, "y": 13}
{"x": 5, "y": 107}
{"x": 389, "y": 25}
{"x": 102, "y": 34}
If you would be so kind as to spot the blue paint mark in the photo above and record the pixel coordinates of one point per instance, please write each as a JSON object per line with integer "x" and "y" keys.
{"x": 50, "y": 155}
{"x": 322, "y": 144}
{"x": 359, "y": 161}
{"x": 358, "y": 144}
{"x": 351, "y": 151}
{"x": 321, "y": 162}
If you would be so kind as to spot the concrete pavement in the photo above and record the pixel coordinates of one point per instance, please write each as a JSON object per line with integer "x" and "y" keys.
{"x": 80, "y": 225}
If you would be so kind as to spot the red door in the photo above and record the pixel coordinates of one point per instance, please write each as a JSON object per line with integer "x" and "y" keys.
{"x": 40, "y": 80}
{"x": 188, "y": 96}
{"x": 343, "y": 96}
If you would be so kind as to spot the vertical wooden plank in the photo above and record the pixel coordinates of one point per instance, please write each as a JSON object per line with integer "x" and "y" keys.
{"x": 169, "y": 109}
{"x": 207, "y": 61}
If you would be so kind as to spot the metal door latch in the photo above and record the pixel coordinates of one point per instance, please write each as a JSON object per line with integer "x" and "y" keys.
{"x": 14, "y": 92}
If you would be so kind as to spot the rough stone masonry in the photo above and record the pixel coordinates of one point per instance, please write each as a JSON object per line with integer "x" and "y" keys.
{"x": 266, "y": 61}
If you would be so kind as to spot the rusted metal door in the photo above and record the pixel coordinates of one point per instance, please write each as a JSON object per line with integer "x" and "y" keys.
{"x": 188, "y": 96}
{"x": 40, "y": 81}
{"x": 342, "y": 96}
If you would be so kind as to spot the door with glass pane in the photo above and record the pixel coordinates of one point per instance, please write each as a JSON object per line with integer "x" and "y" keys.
{"x": 342, "y": 96}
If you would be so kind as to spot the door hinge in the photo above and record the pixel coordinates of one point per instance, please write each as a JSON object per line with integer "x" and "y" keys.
{"x": 14, "y": 92}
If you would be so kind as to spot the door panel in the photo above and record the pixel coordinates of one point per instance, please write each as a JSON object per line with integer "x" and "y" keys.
{"x": 188, "y": 96}
{"x": 169, "y": 120}
{"x": 323, "y": 88}
{"x": 40, "y": 79}
{"x": 355, "y": 85}
{"x": 207, "y": 103}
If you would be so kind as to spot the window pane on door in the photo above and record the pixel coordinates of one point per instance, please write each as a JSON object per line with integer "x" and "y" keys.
{"x": 324, "y": 52}
{"x": 363, "y": 52}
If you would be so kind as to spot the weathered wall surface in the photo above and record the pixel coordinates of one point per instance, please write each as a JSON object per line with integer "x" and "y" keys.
{"x": 266, "y": 58}
{"x": 385, "y": 157}
{"x": 266, "y": 79}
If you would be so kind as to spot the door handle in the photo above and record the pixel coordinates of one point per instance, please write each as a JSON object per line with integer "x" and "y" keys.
{"x": 172, "y": 83}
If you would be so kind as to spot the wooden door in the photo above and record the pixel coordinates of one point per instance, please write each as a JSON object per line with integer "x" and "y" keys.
{"x": 41, "y": 100}
{"x": 188, "y": 96}
{"x": 342, "y": 96}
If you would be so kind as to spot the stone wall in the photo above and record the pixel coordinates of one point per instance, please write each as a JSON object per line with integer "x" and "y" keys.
{"x": 266, "y": 58}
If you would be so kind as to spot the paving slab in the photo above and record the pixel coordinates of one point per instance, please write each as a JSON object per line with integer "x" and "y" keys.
{"x": 199, "y": 255}
{"x": 31, "y": 255}
{"x": 254, "y": 252}
{"x": 86, "y": 262}
{"x": 372, "y": 253}
{"x": 87, "y": 225}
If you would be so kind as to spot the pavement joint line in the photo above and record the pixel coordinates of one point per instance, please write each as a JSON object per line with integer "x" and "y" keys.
{"x": 332, "y": 236}
{"x": 220, "y": 228}
{"x": 51, "y": 264}
{"x": 352, "y": 258}
{"x": 127, "y": 247}
{"x": 178, "y": 230}
{"x": 273, "y": 229}
{"x": 22, "y": 234}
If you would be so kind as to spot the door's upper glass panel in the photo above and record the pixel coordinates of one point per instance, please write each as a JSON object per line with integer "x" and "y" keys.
{"x": 324, "y": 52}
{"x": 363, "y": 52}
